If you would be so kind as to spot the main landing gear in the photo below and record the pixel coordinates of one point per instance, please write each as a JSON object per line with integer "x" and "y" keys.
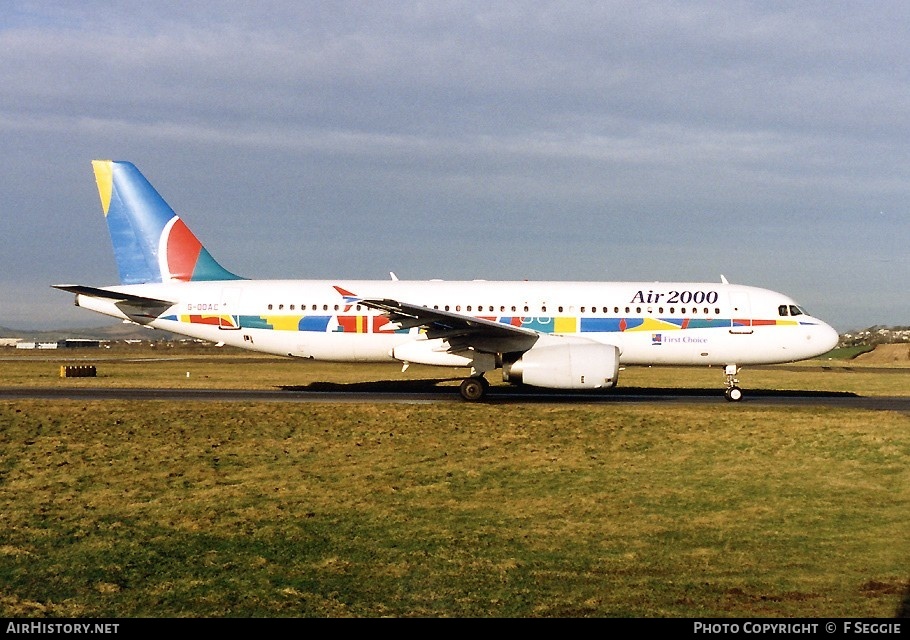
{"x": 733, "y": 392}
{"x": 473, "y": 389}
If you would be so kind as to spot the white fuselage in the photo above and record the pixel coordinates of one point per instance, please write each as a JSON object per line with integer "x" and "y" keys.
{"x": 650, "y": 323}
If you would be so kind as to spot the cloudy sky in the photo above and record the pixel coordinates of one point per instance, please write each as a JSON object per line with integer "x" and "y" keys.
{"x": 766, "y": 141}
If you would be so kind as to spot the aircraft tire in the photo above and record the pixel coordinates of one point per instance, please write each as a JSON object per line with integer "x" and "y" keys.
{"x": 734, "y": 394}
{"x": 473, "y": 389}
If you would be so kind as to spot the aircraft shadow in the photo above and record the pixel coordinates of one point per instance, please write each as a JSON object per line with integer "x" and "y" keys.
{"x": 437, "y": 385}
{"x": 378, "y": 386}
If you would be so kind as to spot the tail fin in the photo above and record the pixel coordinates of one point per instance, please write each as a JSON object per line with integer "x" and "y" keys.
{"x": 151, "y": 243}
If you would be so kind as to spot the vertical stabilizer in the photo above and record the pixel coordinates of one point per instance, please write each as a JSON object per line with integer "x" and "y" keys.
{"x": 151, "y": 243}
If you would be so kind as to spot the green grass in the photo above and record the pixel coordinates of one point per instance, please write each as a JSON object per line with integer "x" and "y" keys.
{"x": 210, "y": 367}
{"x": 126, "y": 509}
{"x": 149, "y": 509}
{"x": 848, "y": 353}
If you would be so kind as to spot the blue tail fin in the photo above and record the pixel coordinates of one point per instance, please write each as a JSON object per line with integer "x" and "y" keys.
{"x": 151, "y": 243}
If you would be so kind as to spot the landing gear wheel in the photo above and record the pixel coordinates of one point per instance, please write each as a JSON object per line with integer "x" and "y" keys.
{"x": 474, "y": 389}
{"x": 734, "y": 394}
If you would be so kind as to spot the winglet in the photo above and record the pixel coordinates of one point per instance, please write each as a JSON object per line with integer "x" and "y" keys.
{"x": 349, "y": 298}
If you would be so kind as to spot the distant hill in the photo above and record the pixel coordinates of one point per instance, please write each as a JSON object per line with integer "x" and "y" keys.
{"x": 886, "y": 354}
{"x": 119, "y": 331}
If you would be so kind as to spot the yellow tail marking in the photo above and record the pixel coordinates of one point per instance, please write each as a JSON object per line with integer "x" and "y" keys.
{"x": 105, "y": 179}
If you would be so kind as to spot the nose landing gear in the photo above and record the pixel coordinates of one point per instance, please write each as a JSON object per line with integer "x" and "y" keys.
{"x": 733, "y": 392}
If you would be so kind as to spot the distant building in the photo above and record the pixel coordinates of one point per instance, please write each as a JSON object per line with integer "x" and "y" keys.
{"x": 24, "y": 344}
{"x": 76, "y": 343}
{"x": 70, "y": 343}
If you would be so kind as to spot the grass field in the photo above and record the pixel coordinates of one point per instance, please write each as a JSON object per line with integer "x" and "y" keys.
{"x": 210, "y": 367}
{"x": 149, "y": 508}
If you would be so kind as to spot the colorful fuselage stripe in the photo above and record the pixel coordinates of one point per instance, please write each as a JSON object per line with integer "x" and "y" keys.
{"x": 318, "y": 324}
{"x": 543, "y": 324}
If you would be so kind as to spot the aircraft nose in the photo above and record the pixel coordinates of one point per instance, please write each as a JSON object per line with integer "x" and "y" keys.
{"x": 826, "y": 338}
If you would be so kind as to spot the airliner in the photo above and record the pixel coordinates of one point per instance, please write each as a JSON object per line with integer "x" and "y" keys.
{"x": 554, "y": 335}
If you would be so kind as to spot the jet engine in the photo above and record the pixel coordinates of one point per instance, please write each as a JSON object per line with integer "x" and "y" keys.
{"x": 588, "y": 365}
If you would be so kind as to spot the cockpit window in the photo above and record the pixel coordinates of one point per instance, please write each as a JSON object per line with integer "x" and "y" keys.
{"x": 790, "y": 310}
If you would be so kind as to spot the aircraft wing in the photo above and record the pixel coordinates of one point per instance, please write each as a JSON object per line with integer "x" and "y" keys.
{"x": 460, "y": 330}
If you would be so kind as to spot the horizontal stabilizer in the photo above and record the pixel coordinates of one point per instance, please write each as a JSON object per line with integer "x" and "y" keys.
{"x": 139, "y": 309}
{"x": 132, "y": 300}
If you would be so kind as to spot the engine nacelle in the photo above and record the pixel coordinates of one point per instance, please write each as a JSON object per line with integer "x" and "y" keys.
{"x": 566, "y": 366}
